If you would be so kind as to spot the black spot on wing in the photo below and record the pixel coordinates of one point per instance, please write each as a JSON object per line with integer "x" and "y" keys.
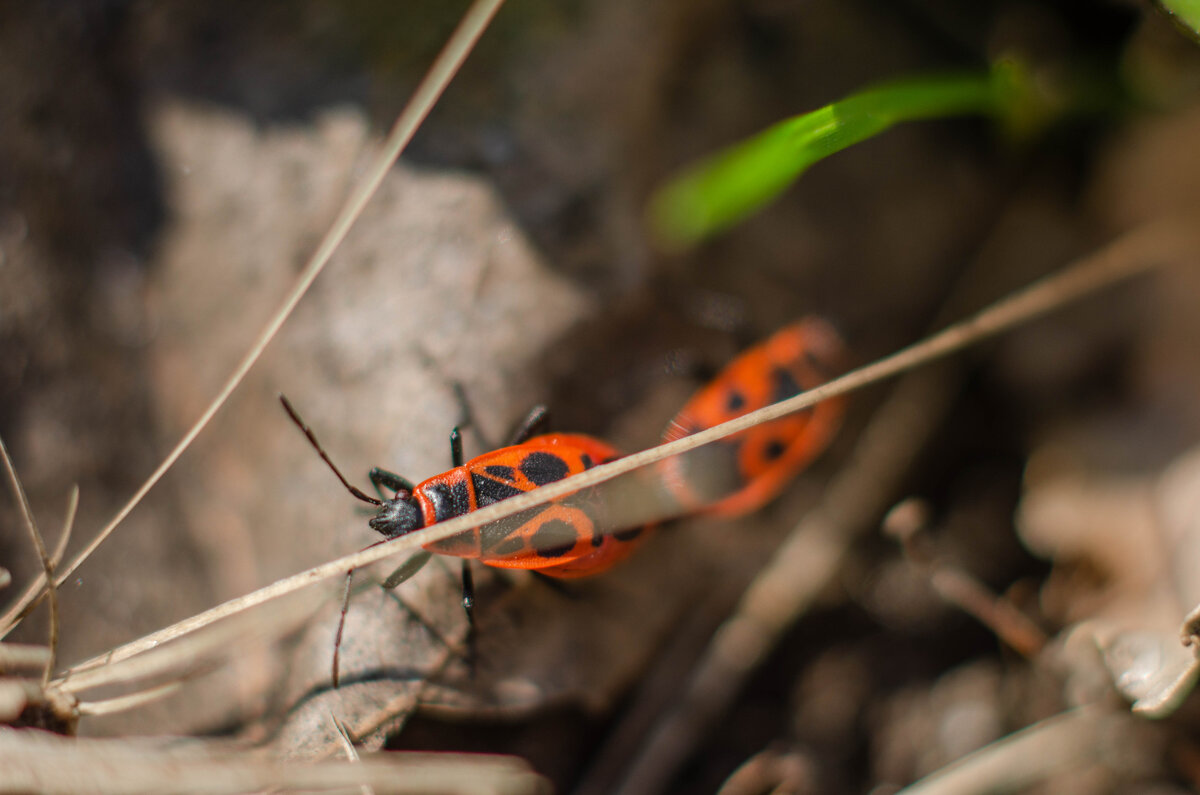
{"x": 449, "y": 501}
{"x": 774, "y": 449}
{"x": 587, "y": 461}
{"x": 628, "y": 535}
{"x": 488, "y": 491}
{"x": 500, "y": 471}
{"x": 783, "y": 385}
{"x": 462, "y": 499}
{"x": 543, "y": 468}
{"x": 554, "y": 539}
{"x": 735, "y": 401}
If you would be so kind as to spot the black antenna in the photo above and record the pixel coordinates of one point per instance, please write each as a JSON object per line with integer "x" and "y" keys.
{"x": 317, "y": 446}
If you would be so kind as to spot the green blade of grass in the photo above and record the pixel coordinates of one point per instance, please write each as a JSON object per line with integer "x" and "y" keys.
{"x": 1186, "y": 13}
{"x": 723, "y": 189}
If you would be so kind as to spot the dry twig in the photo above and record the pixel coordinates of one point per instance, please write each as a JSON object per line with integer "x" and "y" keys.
{"x": 38, "y": 762}
{"x": 1013, "y": 763}
{"x": 40, "y": 546}
{"x": 1154, "y": 244}
{"x": 461, "y": 42}
{"x": 863, "y": 489}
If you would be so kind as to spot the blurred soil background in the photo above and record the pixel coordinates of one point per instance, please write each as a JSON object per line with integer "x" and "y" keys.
{"x": 166, "y": 168}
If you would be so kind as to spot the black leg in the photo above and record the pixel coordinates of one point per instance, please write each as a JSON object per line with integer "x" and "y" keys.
{"x": 535, "y": 422}
{"x": 468, "y": 589}
{"x": 456, "y": 455}
{"x": 407, "y": 569}
{"x": 337, "y": 640}
{"x": 554, "y": 584}
{"x": 341, "y": 627}
{"x": 381, "y": 478}
{"x": 465, "y": 418}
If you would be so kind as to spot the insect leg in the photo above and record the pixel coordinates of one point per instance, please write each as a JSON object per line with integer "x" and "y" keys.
{"x": 554, "y": 584}
{"x": 341, "y": 627}
{"x": 456, "y": 454}
{"x": 381, "y": 478}
{"x": 468, "y": 589}
{"x": 407, "y": 569}
{"x": 337, "y": 639}
{"x": 535, "y": 422}
{"x": 466, "y": 417}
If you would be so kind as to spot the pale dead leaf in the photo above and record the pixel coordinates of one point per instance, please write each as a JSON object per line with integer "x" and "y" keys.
{"x": 38, "y": 761}
{"x": 1143, "y": 534}
{"x": 434, "y": 286}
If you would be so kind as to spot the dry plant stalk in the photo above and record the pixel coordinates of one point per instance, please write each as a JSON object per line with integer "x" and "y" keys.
{"x": 38, "y": 762}
{"x": 21, "y": 657}
{"x": 21, "y": 700}
{"x": 1137, "y": 251}
{"x": 815, "y": 547}
{"x": 957, "y": 587}
{"x": 1064, "y": 742}
{"x": 452, "y": 56}
{"x": 40, "y": 546}
{"x": 775, "y": 772}
{"x": 188, "y": 657}
{"x": 1161, "y": 242}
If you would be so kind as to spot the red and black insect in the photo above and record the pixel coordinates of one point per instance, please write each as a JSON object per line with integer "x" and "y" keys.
{"x": 739, "y": 474}
{"x": 564, "y": 539}
{"x": 572, "y": 536}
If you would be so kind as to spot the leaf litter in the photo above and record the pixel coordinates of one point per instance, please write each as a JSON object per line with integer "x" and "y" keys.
{"x": 346, "y": 527}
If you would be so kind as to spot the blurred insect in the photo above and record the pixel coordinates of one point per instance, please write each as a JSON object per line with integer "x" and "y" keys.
{"x": 564, "y": 539}
{"x": 740, "y": 473}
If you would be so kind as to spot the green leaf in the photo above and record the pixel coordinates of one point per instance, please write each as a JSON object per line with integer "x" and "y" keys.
{"x": 721, "y": 190}
{"x": 1185, "y": 12}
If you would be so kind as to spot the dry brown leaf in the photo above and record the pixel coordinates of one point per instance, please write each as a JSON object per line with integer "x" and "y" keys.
{"x": 435, "y": 287}
{"x": 41, "y": 762}
{"x": 1142, "y": 534}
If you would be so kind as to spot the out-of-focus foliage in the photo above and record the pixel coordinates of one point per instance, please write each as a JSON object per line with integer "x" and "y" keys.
{"x": 1185, "y": 12}
{"x": 721, "y": 190}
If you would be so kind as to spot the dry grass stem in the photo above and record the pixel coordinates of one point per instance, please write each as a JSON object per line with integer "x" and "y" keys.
{"x": 994, "y": 612}
{"x": 776, "y": 772}
{"x": 64, "y": 537}
{"x": 186, "y": 656}
{"x": 959, "y": 588}
{"x": 16, "y": 695}
{"x": 38, "y": 762}
{"x": 863, "y": 489}
{"x": 461, "y": 42}
{"x": 22, "y": 657}
{"x": 344, "y": 736}
{"x": 111, "y": 706}
{"x": 799, "y": 570}
{"x": 1013, "y": 763}
{"x": 39, "y": 546}
{"x": 1155, "y": 244}
{"x": 348, "y": 746}
{"x": 13, "y": 699}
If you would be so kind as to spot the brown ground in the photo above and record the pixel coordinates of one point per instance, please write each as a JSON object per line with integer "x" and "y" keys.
{"x": 165, "y": 169}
